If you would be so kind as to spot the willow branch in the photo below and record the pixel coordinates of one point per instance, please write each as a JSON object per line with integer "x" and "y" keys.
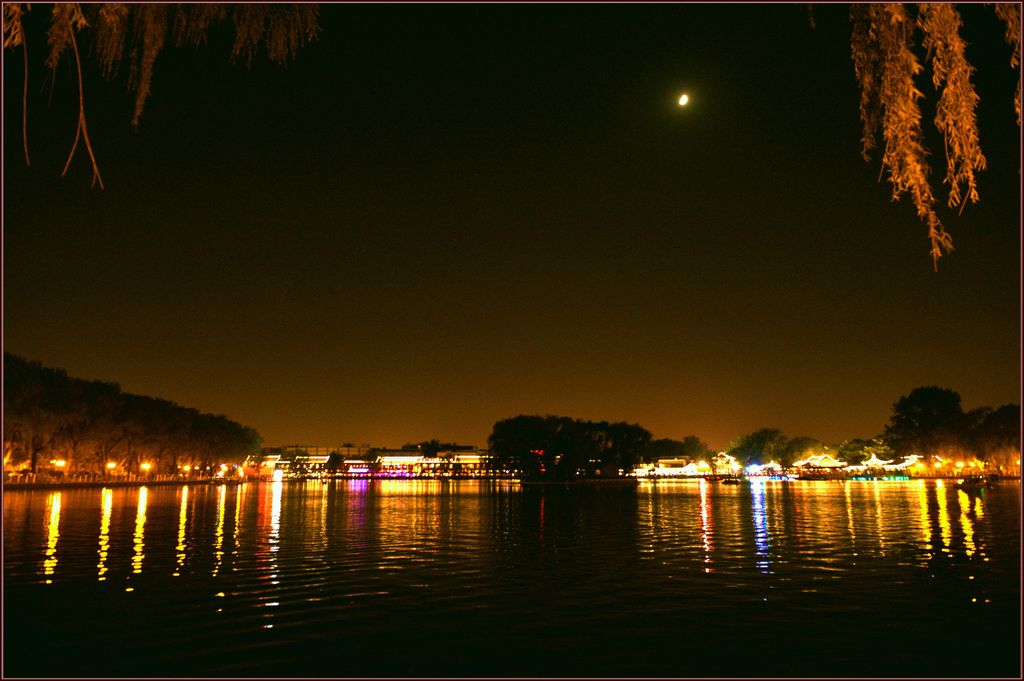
{"x": 82, "y": 130}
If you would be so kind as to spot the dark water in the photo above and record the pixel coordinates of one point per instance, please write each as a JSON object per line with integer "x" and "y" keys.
{"x": 423, "y": 578}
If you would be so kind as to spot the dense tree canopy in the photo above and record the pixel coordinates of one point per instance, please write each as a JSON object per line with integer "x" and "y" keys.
{"x": 690, "y": 447}
{"x": 760, "y": 446}
{"x": 49, "y": 415}
{"x": 930, "y": 421}
{"x": 561, "y": 448}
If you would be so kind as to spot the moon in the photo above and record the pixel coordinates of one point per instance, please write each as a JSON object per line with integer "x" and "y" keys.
{"x": 684, "y": 99}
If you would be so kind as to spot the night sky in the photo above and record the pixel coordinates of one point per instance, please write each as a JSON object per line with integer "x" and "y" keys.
{"x": 436, "y": 217}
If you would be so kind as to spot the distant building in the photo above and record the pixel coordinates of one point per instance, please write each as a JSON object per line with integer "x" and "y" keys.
{"x": 725, "y": 464}
{"x": 461, "y": 462}
{"x": 672, "y": 467}
{"x": 293, "y": 461}
{"x": 301, "y": 461}
{"x": 819, "y": 461}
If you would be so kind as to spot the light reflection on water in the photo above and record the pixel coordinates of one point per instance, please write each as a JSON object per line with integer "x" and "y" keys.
{"x": 809, "y": 514}
{"x": 965, "y": 522}
{"x": 104, "y": 542}
{"x": 761, "y": 537}
{"x": 140, "y": 531}
{"x": 52, "y": 536}
{"x": 354, "y": 561}
{"x": 945, "y": 529}
{"x": 925, "y": 521}
{"x": 182, "y": 526}
{"x": 705, "y": 525}
{"x": 218, "y": 534}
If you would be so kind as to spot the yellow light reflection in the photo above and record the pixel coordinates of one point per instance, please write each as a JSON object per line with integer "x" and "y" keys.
{"x": 979, "y": 508}
{"x": 878, "y": 520}
{"x": 275, "y": 515}
{"x": 140, "y": 530}
{"x": 273, "y": 540}
{"x": 926, "y": 521}
{"x": 218, "y": 535}
{"x": 705, "y": 524}
{"x": 104, "y": 549}
{"x": 182, "y": 524}
{"x": 849, "y": 515}
{"x": 52, "y": 535}
{"x": 965, "y": 522}
{"x": 239, "y": 498}
{"x": 944, "y": 526}
{"x": 323, "y": 517}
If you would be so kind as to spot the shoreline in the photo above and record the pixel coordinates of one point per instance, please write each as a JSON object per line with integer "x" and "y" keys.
{"x": 618, "y": 482}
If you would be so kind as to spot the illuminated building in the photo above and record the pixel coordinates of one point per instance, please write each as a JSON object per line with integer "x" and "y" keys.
{"x": 299, "y": 462}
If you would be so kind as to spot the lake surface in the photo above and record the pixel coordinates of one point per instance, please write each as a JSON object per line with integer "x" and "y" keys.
{"x": 484, "y": 578}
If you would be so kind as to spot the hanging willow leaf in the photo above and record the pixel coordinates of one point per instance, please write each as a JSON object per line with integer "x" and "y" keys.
{"x": 64, "y": 21}
{"x": 1010, "y": 14}
{"x": 150, "y": 31}
{"x": 111, "y": 28}
{"x": 281, "y": 29}
{"x": 13, "y": 31}
{"x": 14, "y": 35}
{"x": 885, "y": 66}
{"x": 192, "y": 22}
{"x": 865, "y": 67}
{"x": 954, "y": 113}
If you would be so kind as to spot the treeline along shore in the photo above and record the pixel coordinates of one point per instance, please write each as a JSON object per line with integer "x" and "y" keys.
{"x": 72, "y": 428}
{"x": 928, "y": 426}
{"x": 60, "y": 429}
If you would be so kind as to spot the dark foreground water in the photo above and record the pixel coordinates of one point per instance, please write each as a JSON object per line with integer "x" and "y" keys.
{"x": 424, "y": 578}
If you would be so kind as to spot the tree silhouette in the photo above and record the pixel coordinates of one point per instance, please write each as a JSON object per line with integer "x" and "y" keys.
{"x": 929, "y": 420}
{"x": 48, "y": 414}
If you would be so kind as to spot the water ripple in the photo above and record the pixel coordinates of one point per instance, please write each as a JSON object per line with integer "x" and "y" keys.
{"x": 269, "y": 579}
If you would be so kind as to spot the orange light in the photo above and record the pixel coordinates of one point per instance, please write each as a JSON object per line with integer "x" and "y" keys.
{"x": 146, "y": 466}
{"x": 187, "y": 468}
{"x": 59, "y": 463}
{"x": 111, "y": 465}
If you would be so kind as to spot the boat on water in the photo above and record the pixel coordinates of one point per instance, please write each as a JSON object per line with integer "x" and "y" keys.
{"x": 976, "y": 482}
